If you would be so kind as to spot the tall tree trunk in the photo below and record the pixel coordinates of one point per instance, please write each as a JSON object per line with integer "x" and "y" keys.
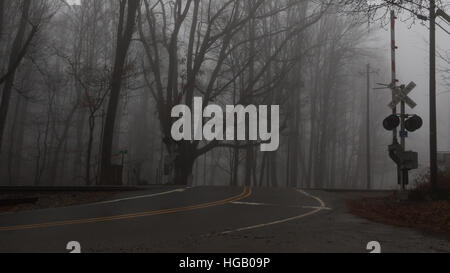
{"x": 14, "y": 59}
{"x": 250, "y": 160}
{"x": 19, "y": 141}
{"x": 89, "y": 149}
{"x": 184, "y": 164}
{"x": 60, "y": 145}
{"x": 235, "y": 174}
{"x": 12, "y": 144}
{"x": 79, "y": 151}
{"x": 274, "y": 168}
{"x": 2, "y": 15}
{"x": 124, "y": 34}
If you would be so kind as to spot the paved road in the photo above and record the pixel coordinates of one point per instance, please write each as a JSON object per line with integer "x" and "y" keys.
{"x": 210, "y": 219}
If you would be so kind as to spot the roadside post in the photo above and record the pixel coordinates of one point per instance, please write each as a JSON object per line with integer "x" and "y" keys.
{"x": 405, "y": 160}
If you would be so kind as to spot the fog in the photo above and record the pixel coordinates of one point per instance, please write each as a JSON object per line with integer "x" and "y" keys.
{"x": 89, "y": 87}
{"x": 413, "y": 65}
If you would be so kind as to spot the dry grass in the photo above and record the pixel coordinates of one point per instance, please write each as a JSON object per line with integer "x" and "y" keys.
{"x": 430, "y": 216}
{"x": 426, "y": 209}
{"x": 53, "y": 200}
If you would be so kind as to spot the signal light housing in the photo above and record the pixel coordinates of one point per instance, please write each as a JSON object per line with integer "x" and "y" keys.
{"x": 391, "y": 122}
{"x": 413, "y": 123}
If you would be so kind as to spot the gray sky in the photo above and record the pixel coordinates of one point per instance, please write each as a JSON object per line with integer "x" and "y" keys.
{"x": 413, "y": 65}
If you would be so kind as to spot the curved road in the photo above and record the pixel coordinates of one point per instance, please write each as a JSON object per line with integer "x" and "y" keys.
{"x": 209, "y": 219}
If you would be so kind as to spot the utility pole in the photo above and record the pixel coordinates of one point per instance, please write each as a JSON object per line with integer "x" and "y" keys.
{"x": 402, "y": 175}
{"x": 367, "y": 73}
{"x": 403, "y": 135}
{"x": 433, "y": 133}
{"x": 434, "y": 13}
{"x": 368, "y": 129}
{"x": 394, "y": 84}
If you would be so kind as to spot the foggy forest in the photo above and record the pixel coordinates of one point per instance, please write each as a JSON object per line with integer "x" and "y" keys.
{"x": 87, "y": 88}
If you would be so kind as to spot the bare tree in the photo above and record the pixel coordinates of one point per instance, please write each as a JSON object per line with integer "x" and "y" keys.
{"x": 125, "y": 30}
{"x": 214, "y": 31}
{"x": 18, "y": 51}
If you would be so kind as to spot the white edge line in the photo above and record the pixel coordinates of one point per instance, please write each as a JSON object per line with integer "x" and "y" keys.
{"x": 322, "y": 207}
{"x": 139, "y": 197}
{"x": 322, "y": 204}
{"x": 313, "y": 207}
{"x": 252, "y": 204}
{"x": 274, "y": 205}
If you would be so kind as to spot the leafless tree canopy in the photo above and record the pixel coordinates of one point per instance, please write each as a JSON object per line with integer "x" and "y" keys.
{"x": 87, "y": 89}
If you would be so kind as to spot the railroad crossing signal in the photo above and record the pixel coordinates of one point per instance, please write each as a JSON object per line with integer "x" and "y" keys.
{"x": 400, "y": 94}
{"x": 391, "y": 122}
{"x": 405, "y": 160}
{"x": 412, "y": 123}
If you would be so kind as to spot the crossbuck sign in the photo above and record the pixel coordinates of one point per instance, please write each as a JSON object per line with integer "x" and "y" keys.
{"x": 400, "y": 94}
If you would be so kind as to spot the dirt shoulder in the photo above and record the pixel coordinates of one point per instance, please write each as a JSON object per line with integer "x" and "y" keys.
{"x": 11, "y": 202}
{"x": 429, "y": 216}
{"x": 15, "y": 199}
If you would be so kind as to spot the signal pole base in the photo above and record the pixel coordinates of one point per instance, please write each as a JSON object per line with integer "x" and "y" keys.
{"x": 402, "y": 195}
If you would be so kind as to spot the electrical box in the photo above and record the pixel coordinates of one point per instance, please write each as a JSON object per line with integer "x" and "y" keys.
{"x": 443, "y": 160}
{"x": 409, "y": 160}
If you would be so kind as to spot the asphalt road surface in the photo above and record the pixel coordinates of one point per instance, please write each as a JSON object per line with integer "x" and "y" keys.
{"x": 210, "y": 219}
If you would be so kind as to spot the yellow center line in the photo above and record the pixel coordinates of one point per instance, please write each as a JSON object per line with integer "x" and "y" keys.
{"x": 245, "y": 193}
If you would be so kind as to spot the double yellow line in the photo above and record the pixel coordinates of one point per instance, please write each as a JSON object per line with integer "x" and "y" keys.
{"x": 244, "y": 194}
